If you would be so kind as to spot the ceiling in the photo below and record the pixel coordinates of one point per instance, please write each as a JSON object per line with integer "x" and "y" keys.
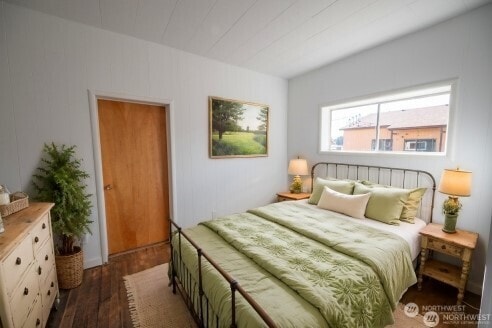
{"x": 284, "y": 38}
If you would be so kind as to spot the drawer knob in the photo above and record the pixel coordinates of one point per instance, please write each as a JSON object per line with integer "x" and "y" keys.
{"x": 38, "y": 322}
{"x": 46, "y": 258}
{"x": 18, "y": 261}
{"x": 43, "y": 226}
{"x": 26, "y": 291}
{"x": 39, "y": 270}
{"x": 52, "y": 284}
{"x": 443, "y": 246}
{"x": 36, "y": 239}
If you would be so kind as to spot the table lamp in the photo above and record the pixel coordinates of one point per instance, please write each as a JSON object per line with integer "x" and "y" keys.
{"x": 297, "y": 167}
{"x": 455, "y": 183}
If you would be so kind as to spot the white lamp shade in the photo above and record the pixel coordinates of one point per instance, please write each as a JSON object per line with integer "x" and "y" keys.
{"x": 298, "y": 167}
{"x": 455, "y": 183}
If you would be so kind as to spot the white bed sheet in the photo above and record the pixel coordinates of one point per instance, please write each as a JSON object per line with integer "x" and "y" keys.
{"x": 408, "y": 231}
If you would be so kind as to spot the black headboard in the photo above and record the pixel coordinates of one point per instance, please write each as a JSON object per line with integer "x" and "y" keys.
{"x": 391, "y": 176}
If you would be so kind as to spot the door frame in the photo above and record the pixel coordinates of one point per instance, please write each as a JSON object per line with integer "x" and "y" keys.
{"x": 167, "y": 104}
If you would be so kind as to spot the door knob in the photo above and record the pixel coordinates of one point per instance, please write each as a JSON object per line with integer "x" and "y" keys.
{"x": 108, "y": 187}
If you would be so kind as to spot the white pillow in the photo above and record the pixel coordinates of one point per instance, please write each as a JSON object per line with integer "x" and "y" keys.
{"x": 351, "y": 205}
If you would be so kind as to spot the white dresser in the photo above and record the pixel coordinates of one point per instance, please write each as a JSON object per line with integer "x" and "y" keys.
{"x": 28, "y": 285}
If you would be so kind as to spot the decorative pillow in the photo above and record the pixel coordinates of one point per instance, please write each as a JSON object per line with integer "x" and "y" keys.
{"x": 342, "y": 186}
{"x": 385, "y": 204}
{"x": 351, "y": 205}
{"x": 412, "y": 204}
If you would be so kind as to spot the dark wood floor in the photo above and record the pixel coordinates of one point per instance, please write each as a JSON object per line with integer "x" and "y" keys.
{"x": 435, "y": 296}
{"x": 101, "y": 300}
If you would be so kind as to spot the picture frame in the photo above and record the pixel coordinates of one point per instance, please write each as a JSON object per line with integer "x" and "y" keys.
{"x": 237, "y": 128}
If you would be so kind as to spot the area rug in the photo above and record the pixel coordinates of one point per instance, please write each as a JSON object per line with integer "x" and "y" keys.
{"x": 152, "y": 303}
{"x": 404, "y": 321}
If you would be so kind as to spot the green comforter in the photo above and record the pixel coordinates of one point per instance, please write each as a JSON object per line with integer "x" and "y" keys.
{"x": 305, "y": 267}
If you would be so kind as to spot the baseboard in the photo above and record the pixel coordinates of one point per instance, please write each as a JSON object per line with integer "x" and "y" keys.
{"x": 474, "y": 287}
{"x": 90, "y": 263}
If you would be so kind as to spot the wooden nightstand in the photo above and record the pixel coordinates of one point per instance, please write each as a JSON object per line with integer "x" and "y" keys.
{"x": 460, "y": 244}
{"x": 283, "y": 196}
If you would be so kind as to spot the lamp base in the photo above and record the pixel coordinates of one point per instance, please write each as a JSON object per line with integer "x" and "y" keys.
{"x": 296, "y": 186}
{"x": 450, "y": 223}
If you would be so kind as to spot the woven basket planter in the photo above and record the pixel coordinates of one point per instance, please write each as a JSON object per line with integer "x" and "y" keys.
{"x": 70, "y": 269}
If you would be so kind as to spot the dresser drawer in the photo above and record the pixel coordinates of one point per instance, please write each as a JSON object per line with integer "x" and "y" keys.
{"x": 16, "y": 264}
{"x": 40, "y": 233}
{"x": 48, "y": 293}
{"x": 444, "y": 247}
{"x": 24, "y": 296}
{"x": 45, "y": 261}
{"x": 35, "y": 318}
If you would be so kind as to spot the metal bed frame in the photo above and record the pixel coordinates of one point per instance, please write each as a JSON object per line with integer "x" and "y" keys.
{"x": 203, "y": 313}
{"x": 390, "y": 176}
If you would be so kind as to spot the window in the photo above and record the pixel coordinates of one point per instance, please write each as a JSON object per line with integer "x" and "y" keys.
{"x": 412, "y": 120}
{"x": 420, "y": 145}
{"x": 384, "y": 144}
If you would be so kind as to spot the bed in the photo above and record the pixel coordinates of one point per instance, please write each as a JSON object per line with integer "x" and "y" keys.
{"x": 298, "y": 264}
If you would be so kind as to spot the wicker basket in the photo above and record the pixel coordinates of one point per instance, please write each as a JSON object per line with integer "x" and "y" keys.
{"x": 70, "y": 269}
{"x": 18, "y": 201}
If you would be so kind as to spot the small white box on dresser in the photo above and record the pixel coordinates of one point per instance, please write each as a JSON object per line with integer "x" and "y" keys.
{"x": 28, "y": 283}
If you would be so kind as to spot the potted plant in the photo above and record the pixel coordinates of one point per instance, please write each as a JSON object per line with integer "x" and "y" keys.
{"x": 450, "y": 209}
{"x": 61, "y": 181}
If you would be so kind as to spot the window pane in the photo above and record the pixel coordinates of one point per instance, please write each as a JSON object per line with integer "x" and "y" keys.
{"x": 353, "y": 129}
{"x": 416, "y": 124}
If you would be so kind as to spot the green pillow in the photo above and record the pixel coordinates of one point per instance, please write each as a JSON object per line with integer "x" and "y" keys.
{"x": 412, "y": 204}
{"x": 345, "y": 187}
{"x": 385, "y": 204}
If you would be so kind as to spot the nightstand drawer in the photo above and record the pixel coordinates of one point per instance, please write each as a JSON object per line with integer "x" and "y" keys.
{"x": 445, "y": 248}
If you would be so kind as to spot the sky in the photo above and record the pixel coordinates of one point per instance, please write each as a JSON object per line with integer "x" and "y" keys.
{"x": 250, "y": 115}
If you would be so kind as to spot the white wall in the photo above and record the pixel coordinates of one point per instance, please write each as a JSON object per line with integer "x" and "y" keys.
{"x": 486, "y": 304}
{"x": 48, "y": 64}
{"x": 459, "y": 48}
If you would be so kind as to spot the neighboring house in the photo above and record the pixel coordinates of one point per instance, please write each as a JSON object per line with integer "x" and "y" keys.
{"x": 418, "y": 129}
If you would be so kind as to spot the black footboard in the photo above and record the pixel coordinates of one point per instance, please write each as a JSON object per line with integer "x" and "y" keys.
{"x": 192, "y": 290}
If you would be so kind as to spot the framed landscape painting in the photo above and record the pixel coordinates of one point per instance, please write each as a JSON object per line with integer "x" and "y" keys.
{"x": 237, "y": 128}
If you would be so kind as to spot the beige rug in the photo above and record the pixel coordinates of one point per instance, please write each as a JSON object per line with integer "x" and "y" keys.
{"x": 404, "y": 321}
{"x": 152, "y": 303}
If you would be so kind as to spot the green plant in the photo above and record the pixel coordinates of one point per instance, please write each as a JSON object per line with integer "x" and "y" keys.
{"x": 451, "y": 206}
{"x": 296, "y": 185}
{"x": 60, "y": 180}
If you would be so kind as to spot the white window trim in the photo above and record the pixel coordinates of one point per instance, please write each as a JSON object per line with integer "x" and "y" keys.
{"x": 361, "y": 100}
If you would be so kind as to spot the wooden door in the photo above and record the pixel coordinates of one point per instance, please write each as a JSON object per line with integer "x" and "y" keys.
{"x": 135, "y": 173}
